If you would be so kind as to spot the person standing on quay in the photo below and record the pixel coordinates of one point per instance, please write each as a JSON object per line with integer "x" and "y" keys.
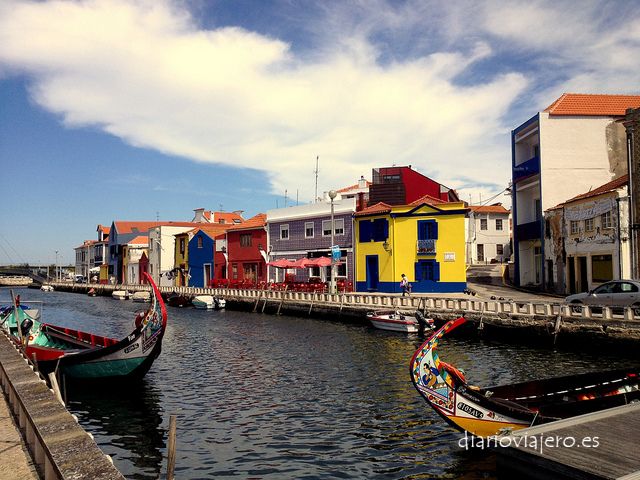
{"x": 404, "y": 286}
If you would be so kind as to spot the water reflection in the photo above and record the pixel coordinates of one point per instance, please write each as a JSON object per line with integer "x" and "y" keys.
{"x": 126, "y": 423}
{"x": 290, "y": 397}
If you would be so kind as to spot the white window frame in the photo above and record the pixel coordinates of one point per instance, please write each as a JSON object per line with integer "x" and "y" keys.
{"x": 284, "y": 228}
{"x": 309, "y": 225}
{"x": 325, "y": 229}
{"x": 606, "y": 220}
{"x": 485, "y": 224}
{"x": 501, "y": 224}
{"x": 574, "y": 226}
{"x": 338, "y": 226}
{"x": 589, "y": 224}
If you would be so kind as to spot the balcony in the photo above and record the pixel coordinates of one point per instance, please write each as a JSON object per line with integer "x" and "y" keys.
{"x": 426, "y": 247}
{"x": 526, "y": 169}
{"x": 528, "y": 231}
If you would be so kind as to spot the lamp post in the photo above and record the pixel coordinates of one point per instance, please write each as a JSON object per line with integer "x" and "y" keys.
{"x": 56, "y": 265}
{"x": 332, "y": 280}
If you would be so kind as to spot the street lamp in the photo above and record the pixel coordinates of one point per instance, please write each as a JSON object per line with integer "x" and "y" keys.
{"x": 56, "y": 265}
{"x": 332, "y": 280}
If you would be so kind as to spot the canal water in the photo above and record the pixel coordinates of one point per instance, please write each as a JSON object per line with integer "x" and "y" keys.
{"x": 264, "y": 396}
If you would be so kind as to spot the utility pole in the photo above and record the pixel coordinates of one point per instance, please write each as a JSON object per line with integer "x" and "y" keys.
{"x": 315, "y": 199}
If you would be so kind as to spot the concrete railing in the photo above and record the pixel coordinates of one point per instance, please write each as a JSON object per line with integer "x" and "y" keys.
{"x": 59, "y": 447}
{"x": 389, "y": 301}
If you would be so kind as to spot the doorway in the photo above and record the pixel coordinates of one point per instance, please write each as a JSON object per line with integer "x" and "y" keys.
{"x": 583, "y": 285}
{"x": 373, "y": 274}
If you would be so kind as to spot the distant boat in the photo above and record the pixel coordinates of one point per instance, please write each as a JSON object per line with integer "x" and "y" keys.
{"x": 204, "y": 302}
{"x": 141, "y": 297}
{"x": 397, "y": 321}
{"x": 219, "y": 303}
{"x": 46, "y": 288}
{"x": 120, "y": 294}
{"x": 81, "y": 355}
{"x": 178, "y": 300}
{"x": 487, "y": 411}
{"x": 92, "y": 292}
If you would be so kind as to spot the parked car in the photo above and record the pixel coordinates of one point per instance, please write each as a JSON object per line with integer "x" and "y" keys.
{"x": 616, "y": 293}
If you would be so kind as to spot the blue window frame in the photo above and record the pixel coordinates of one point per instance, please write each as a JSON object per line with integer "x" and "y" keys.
{"x": 427, "y": 270}
{"x": 376, "y": 230}
{"x": 427, "y": 230}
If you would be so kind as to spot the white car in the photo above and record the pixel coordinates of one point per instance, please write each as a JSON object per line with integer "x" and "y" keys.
{"x": 616, "y": 293}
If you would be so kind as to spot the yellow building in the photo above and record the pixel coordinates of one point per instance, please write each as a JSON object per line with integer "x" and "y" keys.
{"x": 181, "y": 259}
{"x": 424, "y": 240}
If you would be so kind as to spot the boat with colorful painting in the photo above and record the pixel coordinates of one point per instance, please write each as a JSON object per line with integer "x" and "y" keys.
{"x": 86, "y": 356}
{"x": 489, "y": 411}
{"x": 396, "y": 321}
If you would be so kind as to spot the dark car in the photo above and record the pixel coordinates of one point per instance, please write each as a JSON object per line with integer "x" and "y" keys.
{"x": 616, "y": 293}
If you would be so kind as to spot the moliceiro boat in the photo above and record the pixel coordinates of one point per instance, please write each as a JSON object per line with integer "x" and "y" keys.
{"x": 81, "y": 355}
{"x": 489, "y": 411}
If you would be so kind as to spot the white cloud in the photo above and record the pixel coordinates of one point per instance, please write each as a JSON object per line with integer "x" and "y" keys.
{"x": 145, "y": 72}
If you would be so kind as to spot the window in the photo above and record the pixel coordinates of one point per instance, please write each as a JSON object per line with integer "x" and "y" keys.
{"x": 588, "y": 224}
{"x": 605, "y": 220}
{"x": 376, "y": 230}
{"x": 391, "y": 179}
{"x": 308, "y": 230}
{"x": 338, "y": 224}
{"x": 245, "y": 239}
{"x": 326, "y": 228}
{"x": 427, "y": 270}
{"x": 341, "y": 269}
{"x": 234, "y": 271}
{"x": 427, "y": 230}
{"x": 498, "y": 224}
{"x": 199, "y": 242}
{"x": 284, "y": 232}
{"x": 575, "y": 226}
{"x": 483, "y": 224}
{"x": 480, "y": 252}
{"x": 499, "y": 249}
{"x": 538, "y": 207}
{"x": 182, "y": 246}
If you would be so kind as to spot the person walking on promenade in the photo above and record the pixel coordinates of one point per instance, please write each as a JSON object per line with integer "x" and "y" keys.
{"x": 405, "y": 286}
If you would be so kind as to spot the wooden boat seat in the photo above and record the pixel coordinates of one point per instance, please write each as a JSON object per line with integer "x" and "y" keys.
{"x": 77, "y": 337}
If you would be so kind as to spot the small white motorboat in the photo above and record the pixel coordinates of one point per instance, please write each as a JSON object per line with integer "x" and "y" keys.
{"x": 219, "y": 303}
{"x": 47, "y": 288}
{"x": 143, "y": 297}
{"x": 397, "y": 321}
{"x": 120, "y": 294}
{"x": 204, "y": 302}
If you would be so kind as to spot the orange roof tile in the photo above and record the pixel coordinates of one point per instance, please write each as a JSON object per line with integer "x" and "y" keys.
{"x": 143, "y": 227}
{"x": 593, "y": 104}
{"x": 259, "y": 220}
{"x": 212, "y": 230}
{"x": 427, "y": 199}
{"x": 489, "y": 209}
{"x": 228, "y": 217}
{"x": 139, "y": 240}
{"x": 378, "y": 208}
{"x": 607, "y": 187}
{"x": 353, "y": 187}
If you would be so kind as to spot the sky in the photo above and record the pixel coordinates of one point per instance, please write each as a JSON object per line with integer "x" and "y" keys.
{"x": 145, "y": 110}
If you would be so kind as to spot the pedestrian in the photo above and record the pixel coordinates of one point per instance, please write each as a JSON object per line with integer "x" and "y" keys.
{"x": 404, "y": 285}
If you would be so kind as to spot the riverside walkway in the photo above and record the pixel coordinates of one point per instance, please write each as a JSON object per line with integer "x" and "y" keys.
{"x": 15, "y": 461}
{"x": 507, "y": 318}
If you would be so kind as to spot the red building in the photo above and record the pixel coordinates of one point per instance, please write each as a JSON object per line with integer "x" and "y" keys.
{"x": 246, "y": 253}
{"x": 402, "y": 186}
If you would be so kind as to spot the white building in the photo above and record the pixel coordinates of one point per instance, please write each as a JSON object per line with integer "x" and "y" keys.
{"x": 162, "y": 244}
{"x": 132, "y": 253}
{"x": 574, "y": 145}
{"x": 588, "y": 239}
{"x": 488, "y": 232}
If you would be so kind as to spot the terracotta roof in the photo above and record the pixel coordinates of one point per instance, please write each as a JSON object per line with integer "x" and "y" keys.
{"x": 593, "y": 104}
{"x": 489, "y": 209}
{"x": 378, "y": 208}
{"x": 229, "y": 217}
{"x": 212, "y": 230}
{"x": 103, "y": 229}
{"x": 427, "y": 199}
{"x": 143, "y": 227}
{"x": 353, "y": 187}
{"x": 139, "y": 240}
{"x": 259, "y": 220}
{"x": 606, "y": 188}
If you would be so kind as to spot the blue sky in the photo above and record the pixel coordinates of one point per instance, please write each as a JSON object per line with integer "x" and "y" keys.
{"x": 123, "y": 110}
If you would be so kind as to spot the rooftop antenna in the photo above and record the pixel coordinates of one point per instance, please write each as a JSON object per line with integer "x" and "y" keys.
{"x": 297, "y": 190}
{"x": 157, "y": 216}
{"x": 285, "y": 198}
{"x": 221, "y": 207}
{"x": 315, "y": 199}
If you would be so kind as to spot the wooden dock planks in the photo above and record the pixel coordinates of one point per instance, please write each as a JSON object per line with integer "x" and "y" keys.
{"x": 606, "y": 445}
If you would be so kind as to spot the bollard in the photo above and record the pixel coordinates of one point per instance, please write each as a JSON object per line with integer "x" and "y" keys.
{"x": 171, "y": 448}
